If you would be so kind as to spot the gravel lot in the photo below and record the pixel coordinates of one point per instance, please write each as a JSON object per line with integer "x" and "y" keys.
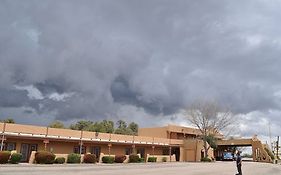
{"x": 217, "y": 168}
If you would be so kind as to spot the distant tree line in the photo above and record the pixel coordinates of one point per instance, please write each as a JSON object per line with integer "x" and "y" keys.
{"x": 105, "y": 126}
{"x": 8, "y": 120}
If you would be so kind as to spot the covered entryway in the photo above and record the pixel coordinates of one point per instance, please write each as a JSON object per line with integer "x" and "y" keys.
{"x": 260, "y": 152}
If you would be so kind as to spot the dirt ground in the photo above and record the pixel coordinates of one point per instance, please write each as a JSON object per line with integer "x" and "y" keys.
{"x": 217, "y": 168}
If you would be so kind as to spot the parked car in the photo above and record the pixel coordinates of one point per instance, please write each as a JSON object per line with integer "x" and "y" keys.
{"x": 228, "y": 156}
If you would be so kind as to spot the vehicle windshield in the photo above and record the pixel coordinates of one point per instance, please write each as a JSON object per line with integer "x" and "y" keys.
{"x": 227, "y": 155}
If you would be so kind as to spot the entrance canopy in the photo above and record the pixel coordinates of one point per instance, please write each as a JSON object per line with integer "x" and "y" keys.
{"x": 260, "y": 151}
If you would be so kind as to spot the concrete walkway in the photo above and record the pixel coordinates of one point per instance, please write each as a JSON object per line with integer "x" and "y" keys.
{"x": 217, "y": 168}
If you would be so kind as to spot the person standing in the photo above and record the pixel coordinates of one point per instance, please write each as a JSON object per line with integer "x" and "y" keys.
{"x": 239, "y": 163}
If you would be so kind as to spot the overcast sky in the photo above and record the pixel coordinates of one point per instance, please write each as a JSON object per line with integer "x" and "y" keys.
{"x": 140, "y": 60}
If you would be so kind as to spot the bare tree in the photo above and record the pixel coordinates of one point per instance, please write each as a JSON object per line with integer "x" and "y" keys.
{"x": 210, "y": 119}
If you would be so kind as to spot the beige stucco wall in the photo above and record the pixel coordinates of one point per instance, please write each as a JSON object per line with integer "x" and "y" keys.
{"x": 64, "y": 140}
{"x": 25, "y": 129}
{"x": 1, "y": 127}
{"x": 40, "y": 144}
{"x": 160, "y": 132}
{"x": 191, "y": 151}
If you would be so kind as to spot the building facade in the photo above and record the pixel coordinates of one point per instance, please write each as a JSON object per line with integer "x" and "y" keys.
{"x": 175, "y": 142}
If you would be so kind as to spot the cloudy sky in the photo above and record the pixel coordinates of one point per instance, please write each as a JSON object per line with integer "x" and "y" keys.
{"x": 141, "y": 61}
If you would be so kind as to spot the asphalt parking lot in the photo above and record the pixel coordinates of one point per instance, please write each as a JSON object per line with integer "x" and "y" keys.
{"x": 217, "y": 168}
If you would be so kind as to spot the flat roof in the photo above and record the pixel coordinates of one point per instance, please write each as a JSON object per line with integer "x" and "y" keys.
{"x": 31, "y": 131}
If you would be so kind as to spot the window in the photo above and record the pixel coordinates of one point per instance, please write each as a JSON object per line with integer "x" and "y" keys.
{"x": 128, "y": 151}
{"x": 166, "y": 151}
{"x": 141, "y": 151}
{"x": 96, "y": 150}
{"x": 10, "y": 146}
{"x": 76, "y": 149}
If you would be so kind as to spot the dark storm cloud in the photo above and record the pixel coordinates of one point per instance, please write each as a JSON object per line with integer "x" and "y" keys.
{"x": 13, "y": 98}
{"x": 89, "y": 59}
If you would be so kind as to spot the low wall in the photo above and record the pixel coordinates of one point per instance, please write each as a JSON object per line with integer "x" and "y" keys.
{"x": 159, "y": 158}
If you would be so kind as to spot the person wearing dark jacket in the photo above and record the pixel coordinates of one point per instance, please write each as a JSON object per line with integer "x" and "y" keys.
{"x": 239, "y": 163}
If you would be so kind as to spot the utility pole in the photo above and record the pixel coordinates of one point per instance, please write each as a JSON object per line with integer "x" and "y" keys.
{"x": 277, "y": 147}
{"x": 270, "y": 142}
{"x": 3, "y": 137}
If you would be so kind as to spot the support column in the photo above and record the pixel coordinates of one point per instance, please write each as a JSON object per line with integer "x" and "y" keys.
{"x": 170, "y": 153}
{"x": 134, "y": 149}
{"x": 81, "y": 143}
{"x": 2, "y": 142}
{"x": 80, "y": 147}
{"x": 45, "y": 144}
{"x": 109, "y": 148}
{"x": 153, "y": 147}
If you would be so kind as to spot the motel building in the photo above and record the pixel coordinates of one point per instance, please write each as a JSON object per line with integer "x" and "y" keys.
{"x": 176, "y": 143}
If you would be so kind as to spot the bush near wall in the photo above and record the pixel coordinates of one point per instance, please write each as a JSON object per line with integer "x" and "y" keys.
{"x": 152, "y": 159}
{"x": 90, "y": 158}
{"x": 4, "y": 156}
{"x": 120, "y": 158}
{"x": 141, "y": 160}
{"x": 60, "y": 160}
{"x": 74, "y": 158}
{"x": 44, "y": 157}
{"x": 107, "y": 159}
{"x": 164, "y": 159}
{"x": 134, "y": 158}
{"x": 206, "y": 159}
{"x": 15, "y": 158}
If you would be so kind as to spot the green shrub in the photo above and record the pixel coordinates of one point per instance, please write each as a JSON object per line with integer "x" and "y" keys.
{"x": 15, "y": 158}
{"x": 74, "y": 158}
{"x": 44, "y": 157}
{"x": 60, "y": 160}
{"x": 141, "y": 160}
{"x": 4, "y": 156}
{"x": 152, "y": 159}
{"x": 134, "y": 158}
{"x": 107, "y": 159}
{"x": 164, "y": 159}
{"x": 120, "y": 158}
{"x": 206, "y": 159}
{"x": 90, "y": 158}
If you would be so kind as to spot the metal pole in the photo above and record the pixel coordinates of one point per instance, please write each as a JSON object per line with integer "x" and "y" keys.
{"x": 2, "y": 141}
{"x": 270, "y": 141}
{"x": 277, "y": 147}
{"x": 153, "y": 147}
{"x": 81, "y": 143}
{"x": 3, "y": 137}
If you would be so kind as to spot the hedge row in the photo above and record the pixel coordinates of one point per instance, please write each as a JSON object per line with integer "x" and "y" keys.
{"x": 59, "y": 160}
{"x": 152, "y": 159}
{"x": 74, "y": 158}
{"x": 107, "y": 159}
{"x": 133, "y": 158}
{"x": 206, "y": 159}
{"x": 45, "y": 157}
{"x": 6, "y": 157}
{"x": 120, "y": 158}
{"x": 90, "y": 158}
